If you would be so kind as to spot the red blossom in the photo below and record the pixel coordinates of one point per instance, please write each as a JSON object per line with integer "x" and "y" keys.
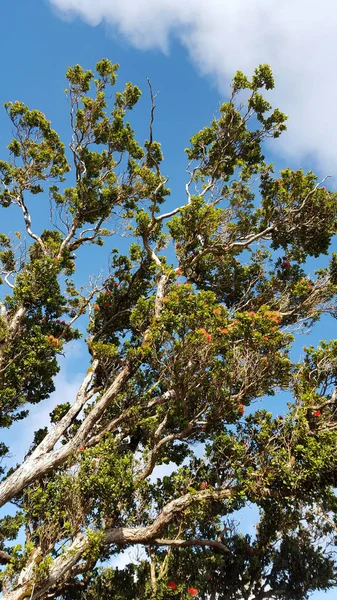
{"x": 179, "y": 271}
{"x": 96, "y": 306}
{"x": 217, "y": 311}
{"x": 172, "y": 585}
{"x": 285, "y": 264}
{"x": 81, "y": 448}
{"x": 193, "y": 591}
{"x": 203, "y": 485}
{"x": 317, "y": 413}
{"x": 241, "y": 409}
{"x": 266, "y": 338}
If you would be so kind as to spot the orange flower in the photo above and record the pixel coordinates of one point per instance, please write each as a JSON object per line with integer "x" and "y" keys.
{"x": 96, "y": 306}
{"x": 172, "y": 585}
{"x": 217, "y": 311}
{"x": 178, "y": 271}
{"x": 317, "y": 413}
{"x": 266, "y": 338}
{"x": 225, "y": 330}
{"x": 53, "y": 340}
{"x": 241, "y": 409}
{"x": 193, "y": 591}
{"x": 203, "y": 485}
{"x": 81, "y": 448}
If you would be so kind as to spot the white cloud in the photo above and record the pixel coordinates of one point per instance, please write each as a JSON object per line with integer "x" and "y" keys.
{"x": 297, "y": 37}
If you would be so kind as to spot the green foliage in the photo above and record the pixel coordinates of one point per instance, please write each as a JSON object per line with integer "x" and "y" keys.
{"x": 179, "y": 355}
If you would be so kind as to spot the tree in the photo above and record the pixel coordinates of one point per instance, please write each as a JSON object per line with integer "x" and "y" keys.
{"x": 177, "y": 355}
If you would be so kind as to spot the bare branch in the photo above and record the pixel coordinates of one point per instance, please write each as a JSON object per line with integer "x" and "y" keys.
{"x": 193, "y": 542}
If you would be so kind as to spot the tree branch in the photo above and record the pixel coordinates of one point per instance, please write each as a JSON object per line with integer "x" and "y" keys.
{"x": 193, "y": 542}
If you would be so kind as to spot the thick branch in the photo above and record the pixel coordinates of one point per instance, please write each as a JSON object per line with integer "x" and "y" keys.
{"x": 5, "y": 558}
{"x": 119, "y": 536}
{"x": 37, "y": 464}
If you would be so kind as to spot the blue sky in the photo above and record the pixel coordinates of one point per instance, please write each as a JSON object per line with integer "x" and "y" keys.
{"x": 189, "y": 51}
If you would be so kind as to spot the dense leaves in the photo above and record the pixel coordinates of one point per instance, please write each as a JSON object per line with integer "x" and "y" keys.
{"x": 163, "y": 446}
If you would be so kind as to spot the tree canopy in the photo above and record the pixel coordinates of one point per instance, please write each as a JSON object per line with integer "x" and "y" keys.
{"x": 190, "y": 331}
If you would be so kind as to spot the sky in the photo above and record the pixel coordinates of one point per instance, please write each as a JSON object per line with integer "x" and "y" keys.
{"x": 190, "y": 50}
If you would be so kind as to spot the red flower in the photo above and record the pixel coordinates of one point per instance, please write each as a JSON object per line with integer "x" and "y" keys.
{"x": 208, "y": 337}
{"x": 178, "y": 271}
{"x": 241, "y": 409}
{"x": 225, "y": 330}
{"x": 172, "y": 585}
{"x": 317, "y": 413}
{"x": 81, "y": 448}
{"x": 250, "y": 550}
{"x": 193, "y": 591}
{"x": 285, "y": 264}
{"x": 203, "y": 485}
{"x": 217, "y": 311}
{"x": 96, "y": 306}
{"x": 266, "y": 338}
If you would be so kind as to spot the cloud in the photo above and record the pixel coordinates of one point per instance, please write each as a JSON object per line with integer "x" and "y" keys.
{"x": 296, "y": 37}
